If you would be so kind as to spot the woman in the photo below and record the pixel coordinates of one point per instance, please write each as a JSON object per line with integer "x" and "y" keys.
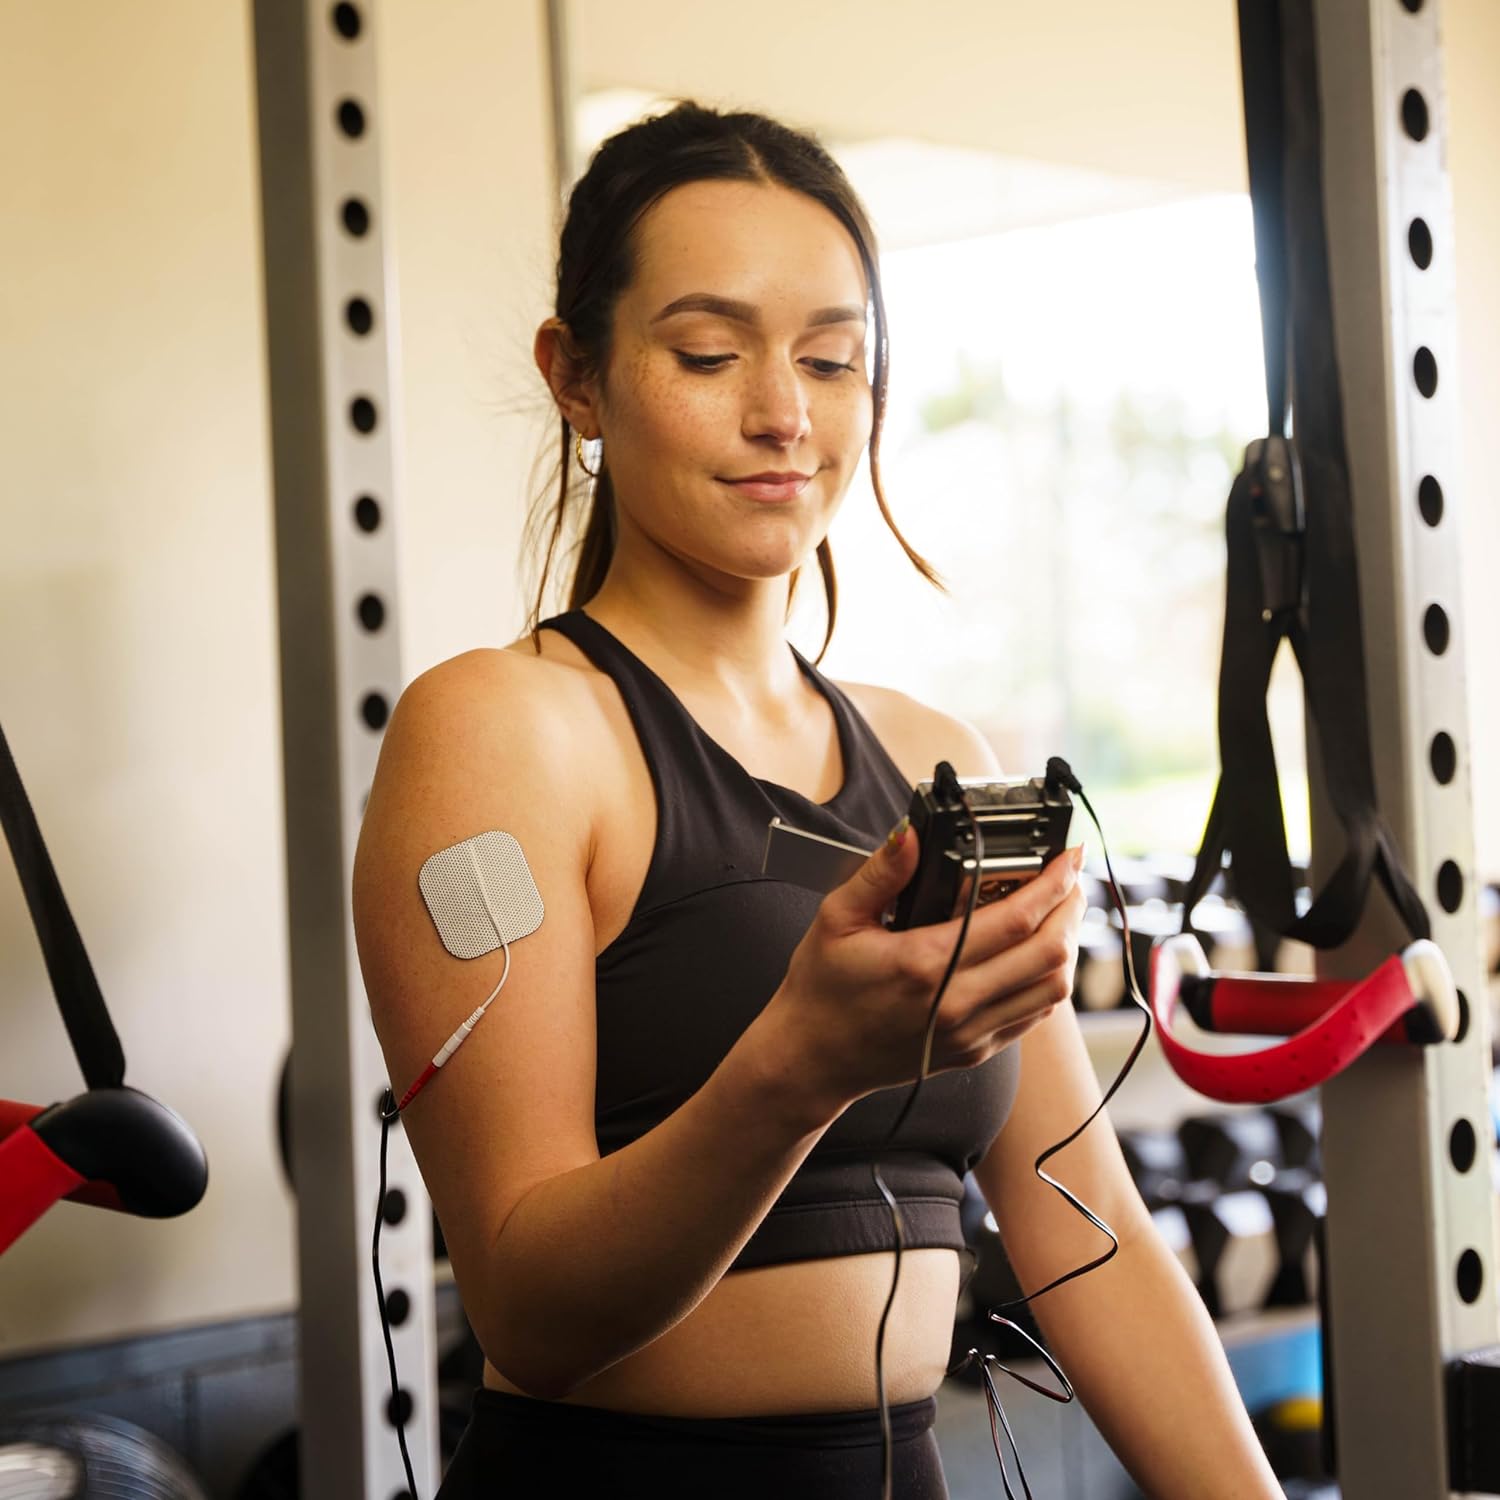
{"x": 651, "y": 1160}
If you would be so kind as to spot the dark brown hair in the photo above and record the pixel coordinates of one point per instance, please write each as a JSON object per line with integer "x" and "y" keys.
{"x": 629, "y": 173}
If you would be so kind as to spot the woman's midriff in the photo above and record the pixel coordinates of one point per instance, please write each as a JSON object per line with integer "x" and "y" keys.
{"x": 791, "y": 1338}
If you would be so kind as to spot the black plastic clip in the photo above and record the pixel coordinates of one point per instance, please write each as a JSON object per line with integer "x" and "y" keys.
{"x": 1280, "y": 519}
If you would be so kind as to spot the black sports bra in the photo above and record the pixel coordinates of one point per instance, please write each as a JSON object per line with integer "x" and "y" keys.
{"x": 707, "y": 945}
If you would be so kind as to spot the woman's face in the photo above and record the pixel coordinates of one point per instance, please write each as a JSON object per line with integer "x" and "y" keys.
{"x": 735, "y": 405}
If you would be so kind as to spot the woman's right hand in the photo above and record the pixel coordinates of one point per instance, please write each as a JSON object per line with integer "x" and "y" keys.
{"x": 856, "y": 996}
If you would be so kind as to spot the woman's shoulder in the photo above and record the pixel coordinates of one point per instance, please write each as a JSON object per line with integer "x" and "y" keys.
{"x": 917, "y": 735}
{"x": 511, "y": 702}
{"x": 492, "y": 737}
{"x": 526, "y": 678}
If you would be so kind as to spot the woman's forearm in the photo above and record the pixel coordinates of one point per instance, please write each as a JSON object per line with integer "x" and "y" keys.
{"x": 594, "y": 1264}
{"x": 1142, "y": 1352}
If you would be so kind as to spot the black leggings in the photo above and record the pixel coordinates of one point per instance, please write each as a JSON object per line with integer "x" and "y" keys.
{"x": 517, "y": 1447}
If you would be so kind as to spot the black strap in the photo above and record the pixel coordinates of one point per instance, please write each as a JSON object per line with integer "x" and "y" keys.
{"x": 1289, "y": 579}
{"x": 1260, "y": 69}
{"x": 84, "y": 1013}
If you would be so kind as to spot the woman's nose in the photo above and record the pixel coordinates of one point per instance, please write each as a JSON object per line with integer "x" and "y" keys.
{"x": 776, "y": 405}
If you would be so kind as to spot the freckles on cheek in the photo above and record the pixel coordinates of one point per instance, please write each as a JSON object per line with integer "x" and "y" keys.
{"x": 665, "y": 410}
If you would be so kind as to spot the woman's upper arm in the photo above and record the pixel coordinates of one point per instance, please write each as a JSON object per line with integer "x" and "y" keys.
{"x": 478, "y": 744}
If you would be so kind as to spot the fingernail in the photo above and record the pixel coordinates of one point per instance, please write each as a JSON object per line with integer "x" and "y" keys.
{"x": 1078, "y": 856}
{"x": 897, "y": 836}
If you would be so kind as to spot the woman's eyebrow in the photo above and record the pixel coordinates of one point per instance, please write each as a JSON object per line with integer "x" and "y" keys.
{"x": 747, "y": 312}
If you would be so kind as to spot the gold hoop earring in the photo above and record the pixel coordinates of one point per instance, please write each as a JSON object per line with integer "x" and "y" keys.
{"x": 578, "y": 453}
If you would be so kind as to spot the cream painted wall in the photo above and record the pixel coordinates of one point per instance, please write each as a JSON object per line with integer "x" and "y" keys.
{"x": 470, "y": 160}
{"x": 138, "y": 668}
{"x": 1065, "y": 81}
{"x": 1472, "y": 58}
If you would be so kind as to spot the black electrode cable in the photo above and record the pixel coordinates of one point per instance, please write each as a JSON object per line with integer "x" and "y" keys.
{"x": 944, "y": 774}
{"x": 388, "y": 1113}
{"x": 1059, "y": 770}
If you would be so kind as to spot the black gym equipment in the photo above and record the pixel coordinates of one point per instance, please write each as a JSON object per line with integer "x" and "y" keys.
{"x": 112, "y": 1147}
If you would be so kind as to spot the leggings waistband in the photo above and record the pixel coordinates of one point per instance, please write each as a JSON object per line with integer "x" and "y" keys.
{"x": 843, "y": 1429}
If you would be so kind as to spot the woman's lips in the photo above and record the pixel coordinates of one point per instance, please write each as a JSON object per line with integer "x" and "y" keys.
{"x": 770, "y": 487}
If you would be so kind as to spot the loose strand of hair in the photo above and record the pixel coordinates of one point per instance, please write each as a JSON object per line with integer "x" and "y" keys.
{"x": 597, "y": 548}
{"x": 558, "y": 517}
{"x": 881, "y": 384}
{"x": 830, "y": 595}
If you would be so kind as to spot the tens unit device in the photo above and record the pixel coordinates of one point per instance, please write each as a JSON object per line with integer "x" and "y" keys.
{"x": 1022, "y": 824}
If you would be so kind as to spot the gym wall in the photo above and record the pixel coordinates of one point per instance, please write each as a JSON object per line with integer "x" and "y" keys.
{"x": 1472, "y": 62}
{"x": 138, "y": 671}
{"x": 138, "y": 658}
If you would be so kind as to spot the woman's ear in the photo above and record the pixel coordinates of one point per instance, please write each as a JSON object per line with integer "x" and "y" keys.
{"x": 575, "y": 393}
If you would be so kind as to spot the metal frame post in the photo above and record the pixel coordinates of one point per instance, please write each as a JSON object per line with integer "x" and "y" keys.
{"x": 563, "y": 91}
{"x": 1406, "y": 1135}
{"x": 331, "y": 325}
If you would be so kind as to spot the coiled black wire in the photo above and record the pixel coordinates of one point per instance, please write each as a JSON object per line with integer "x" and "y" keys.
{"x": 388, "y": 1113}
{"x": 1057, "y": 770}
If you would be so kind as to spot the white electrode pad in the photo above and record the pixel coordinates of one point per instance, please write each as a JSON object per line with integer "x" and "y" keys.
{"x": 481, "y": 894}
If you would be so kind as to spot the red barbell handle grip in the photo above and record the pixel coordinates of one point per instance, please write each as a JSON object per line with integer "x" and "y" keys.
{"x": 32, "y": 1179}
{"x": 1279, "y": 1004}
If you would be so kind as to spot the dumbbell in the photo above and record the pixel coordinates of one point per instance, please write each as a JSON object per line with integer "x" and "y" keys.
{"x": 1299, "y": 1125}
{"x": 1232, "y": 1227}
{"x": 1241, "y": 1157}
{"x": 1299, "y": 1204}
{"x": 1233, "y": 1150}
{"x": 1233, "y": 1239}
{"x": 1158, "y": 1165}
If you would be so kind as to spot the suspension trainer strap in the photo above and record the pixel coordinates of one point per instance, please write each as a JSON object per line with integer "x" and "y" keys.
{"x": 84, "y": 1013}
{"x": 1292, "y": 569}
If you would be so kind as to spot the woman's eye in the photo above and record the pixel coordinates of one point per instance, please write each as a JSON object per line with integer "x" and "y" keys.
{"x": 704, "y": 361}
{"x": 828, "y": 368}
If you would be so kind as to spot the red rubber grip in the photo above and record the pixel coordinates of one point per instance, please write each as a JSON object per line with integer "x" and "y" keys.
{"x": 14, "y": 1114}
{"x": 32, "y": 1179}
{"x": 1279, "y": 1005}
{"x": 1341, "y": 1031}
